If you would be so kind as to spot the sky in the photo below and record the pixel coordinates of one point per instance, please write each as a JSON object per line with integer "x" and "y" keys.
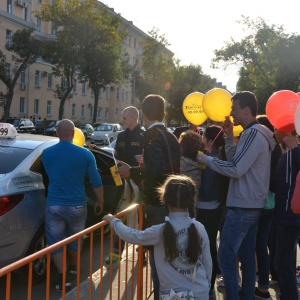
{"x": 196, "y": 28}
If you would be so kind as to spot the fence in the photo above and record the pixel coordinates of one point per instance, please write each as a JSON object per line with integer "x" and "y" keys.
{"x": 128, "y": 279}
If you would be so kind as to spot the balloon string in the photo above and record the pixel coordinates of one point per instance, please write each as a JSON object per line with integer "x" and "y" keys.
{"x": 221, "y": 129}
{"x": 112, "y": 152}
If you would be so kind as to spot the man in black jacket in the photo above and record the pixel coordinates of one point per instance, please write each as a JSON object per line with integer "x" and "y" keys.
{"x": 161, "y": 158}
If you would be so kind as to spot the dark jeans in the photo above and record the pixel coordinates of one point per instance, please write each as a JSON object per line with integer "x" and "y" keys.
{"x": 284, "y": 260}
{"x": 262, "y": 254}
{"x": 210, "y": 218}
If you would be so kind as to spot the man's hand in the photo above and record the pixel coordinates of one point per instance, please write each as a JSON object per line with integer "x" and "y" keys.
{"x": 108, "y": 218}
{"x": 123, "y": 169}
{"x": 98, "y": 208}
{"x": 228, "y": 127}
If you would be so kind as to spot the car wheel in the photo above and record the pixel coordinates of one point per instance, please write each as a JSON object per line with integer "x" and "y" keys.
{"x": 39, "y": 265}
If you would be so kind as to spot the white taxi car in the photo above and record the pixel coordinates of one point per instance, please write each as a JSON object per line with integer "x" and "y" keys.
{"x": 106, "y": 133}
{"x": 22, "y": 196}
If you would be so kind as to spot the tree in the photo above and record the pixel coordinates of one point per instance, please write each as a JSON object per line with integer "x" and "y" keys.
{"x": 157, "y": 66}
{"x": 87, "y": 46}
{"x": 25, "y": 49}
{"x": 186, "y": 80}
{"x": 268, "y": 59}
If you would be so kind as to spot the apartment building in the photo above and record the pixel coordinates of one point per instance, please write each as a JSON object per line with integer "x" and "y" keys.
{"x": 34, "y": 92}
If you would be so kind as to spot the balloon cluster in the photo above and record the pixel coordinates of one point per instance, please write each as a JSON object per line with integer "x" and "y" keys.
{"x": 215, "y": 105}
{"x": 282, "y": 110}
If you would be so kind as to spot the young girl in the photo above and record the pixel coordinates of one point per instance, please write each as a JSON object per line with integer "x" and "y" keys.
{"x": 181, "y": 245}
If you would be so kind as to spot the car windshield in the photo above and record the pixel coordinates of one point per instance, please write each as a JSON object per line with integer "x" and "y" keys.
{"x": 81, "y": 126}
{"x": 52, "y": 124}
{"x": 104, "y": 128}
{"x": 11, "y": 157}
{"x": 16, "y": 122}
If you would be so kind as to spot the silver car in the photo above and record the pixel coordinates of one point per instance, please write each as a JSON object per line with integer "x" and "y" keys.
{"x": 106, "y": 133}
{"x": 22, "y": 198}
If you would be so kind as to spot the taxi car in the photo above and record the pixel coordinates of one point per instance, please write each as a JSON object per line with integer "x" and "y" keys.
{"x": 22, "y": 196}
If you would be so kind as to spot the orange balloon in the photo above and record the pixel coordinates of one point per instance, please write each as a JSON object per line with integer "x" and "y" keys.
{"x": 281, "y": 109}
{"x": 78, "y": 138}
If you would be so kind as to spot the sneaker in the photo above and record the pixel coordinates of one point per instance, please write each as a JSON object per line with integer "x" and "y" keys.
{"x": 115, "y": 258}
{"x": 72, "y": 272}
{"x": 262, "y": 295}
{"x": 58, "y": 287}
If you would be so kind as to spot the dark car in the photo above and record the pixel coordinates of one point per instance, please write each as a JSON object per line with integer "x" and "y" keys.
{"x": 21, "y": 124}
{"x": 42, "y": 126}
{"x": 50, "y": 130}
{"x": 22, "y": 197}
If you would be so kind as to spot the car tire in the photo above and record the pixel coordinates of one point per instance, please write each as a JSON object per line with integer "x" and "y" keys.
{"x": 39, "y": 265}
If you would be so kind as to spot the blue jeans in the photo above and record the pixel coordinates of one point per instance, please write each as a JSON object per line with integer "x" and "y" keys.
{"x": 284, "y": 260}
{"x": 262, "y": 254}
{"x": 155, "y": 279}
{"x": 238, "y": 239}
{"x": 62, "y": 222}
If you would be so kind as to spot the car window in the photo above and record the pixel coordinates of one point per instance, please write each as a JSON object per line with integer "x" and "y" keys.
{"x": 104, "y": 128}
{"x": 37, "y": 166}
{"x": 52, "y": 124}
{"x": 11, "y": 157}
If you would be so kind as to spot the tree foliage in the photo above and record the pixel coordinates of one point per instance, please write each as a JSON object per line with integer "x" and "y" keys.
{"x": 268, "y": 59}
{"x": 87, "y": 46}
{"x": 25, "y": 49}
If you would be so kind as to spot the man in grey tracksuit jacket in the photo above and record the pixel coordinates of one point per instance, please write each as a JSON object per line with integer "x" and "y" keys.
{"x": 248, "y": 167}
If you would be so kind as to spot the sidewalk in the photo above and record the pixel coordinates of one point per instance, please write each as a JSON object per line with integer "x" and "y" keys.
{"x": 118, "y": 293}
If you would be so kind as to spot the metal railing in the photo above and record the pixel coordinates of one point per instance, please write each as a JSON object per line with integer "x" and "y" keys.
{"x": 128, "y": 279}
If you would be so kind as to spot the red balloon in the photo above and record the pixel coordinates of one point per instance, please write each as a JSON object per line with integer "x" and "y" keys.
{"x": 281, "y": 109}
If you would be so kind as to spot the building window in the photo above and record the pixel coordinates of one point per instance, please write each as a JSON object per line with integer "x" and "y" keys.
{"x": 84, "y": 88}
{"x": 26, "y": 13}
{"x": 118, "y": 93}
{"x": 75, "y": 86}
{"x": 92, "y": 93}
{"x": 22, "y": 105}
{"x": 82, "y": 111}
{"x": 39, "y": 23}
{"x": 64, "y": 83}
{"x": 134, "y": 43}
{"x": 126, "y": 100}
{"x": 134, "y": 61}
{"x": 8, "y": 38}
{"x": 49, "y": 108}
{"x": 107, "y": 93}
{"x": 53, "y": 29}
{"x": 106, "y": 113}
{"x": 73, "y": 110}
{"x": 9, "y": 6}
{"x": 40, "y": 1}
{"x": 23, "y": 77}
{"x": 50, "y": 80}
{"x": 123, "y": 94}
{"x": 99, "y": 110}
{"x": 37, "y": 78}
{"x": 129, "y": 41}
{"x": 36, "y": 106}
{"x": 8, "y": 70}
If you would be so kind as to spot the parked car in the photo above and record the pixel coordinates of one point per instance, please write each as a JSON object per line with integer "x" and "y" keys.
{"x": 95, "y": 125}
{"x": 42, "y": 126}
{"x": 22, "y": 198}
{"x": 87, "y": 130}
{"x": 50, "y": 130}
{"x": 106, "y": 133}
{"x": 21, "y": 124}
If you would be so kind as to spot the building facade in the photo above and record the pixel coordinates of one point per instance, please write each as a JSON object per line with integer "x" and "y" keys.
{"x": 34, "y": 91}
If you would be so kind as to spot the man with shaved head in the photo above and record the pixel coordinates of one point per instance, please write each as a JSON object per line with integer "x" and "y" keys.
{"x": 66, "y": 165}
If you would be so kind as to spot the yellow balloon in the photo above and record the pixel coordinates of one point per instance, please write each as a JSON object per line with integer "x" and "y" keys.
{"x": 192, "y": 108}
{"x": 78, "y": 138}
{"x": 236, "y": 129}
{"x": 217, "y": 104}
